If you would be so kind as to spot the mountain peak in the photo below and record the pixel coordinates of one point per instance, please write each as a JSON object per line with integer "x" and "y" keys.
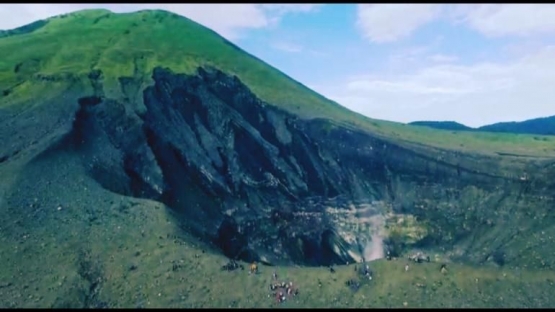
{"x": 124, "y": 45}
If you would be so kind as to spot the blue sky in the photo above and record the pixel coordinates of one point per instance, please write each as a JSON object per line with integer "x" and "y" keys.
{"x": 472, "y": 63}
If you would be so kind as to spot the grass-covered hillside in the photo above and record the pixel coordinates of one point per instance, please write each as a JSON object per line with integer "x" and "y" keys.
{"x": 71, "y": 46}
{"x": 541, "y": 126}
{"x": 445, "y": 125}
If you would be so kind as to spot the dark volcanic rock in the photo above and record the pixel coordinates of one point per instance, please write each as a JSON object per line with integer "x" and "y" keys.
{"x": 265, "y": 185}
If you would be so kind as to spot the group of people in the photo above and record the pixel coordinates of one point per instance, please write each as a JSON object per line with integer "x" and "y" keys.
{"x": 282, "y": 290}
{"x": 363, "y": 273}
{"x": 232, "y": 265}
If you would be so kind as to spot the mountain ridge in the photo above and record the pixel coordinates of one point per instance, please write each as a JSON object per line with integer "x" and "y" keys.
{"x": 540, "y": 126}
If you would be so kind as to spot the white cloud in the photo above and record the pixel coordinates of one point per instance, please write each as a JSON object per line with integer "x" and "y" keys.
{"x": 391, "y": 22}
{"x": 521, "y": 48}
{"x": 226, "y": 19}
{"x": 287, "y": 47}
{"x": 409, "y": 54}
{"x": 382, "y": 23}
{"x": 442, "y": 58}
{"x": 510, "y": 19}
{"x": 291, "y": 8}
{"x": 474, "y": 94}
{"x": 407, "y": 58}
{"x": 275, "y": 12}
{"x": 293, "y": 47}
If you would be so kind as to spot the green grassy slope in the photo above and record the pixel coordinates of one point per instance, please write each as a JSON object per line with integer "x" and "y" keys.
{"x": 543, "y": 126}
{"x": 444, "y": 125}
{"x": 122, "y": 252}
{"x": 70, "y": 46}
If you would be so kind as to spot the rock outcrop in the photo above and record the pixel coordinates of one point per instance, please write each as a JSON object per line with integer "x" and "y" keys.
{"x": 263, "y": 184}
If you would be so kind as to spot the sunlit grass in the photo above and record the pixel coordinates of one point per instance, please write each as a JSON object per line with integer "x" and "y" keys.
{"x": 98, "y": 39}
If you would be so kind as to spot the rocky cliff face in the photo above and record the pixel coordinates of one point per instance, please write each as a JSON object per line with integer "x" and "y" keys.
{"x": 263, "y": 184}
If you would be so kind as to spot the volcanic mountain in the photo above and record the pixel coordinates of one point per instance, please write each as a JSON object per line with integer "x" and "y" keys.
{"x": 131, "y": 142}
